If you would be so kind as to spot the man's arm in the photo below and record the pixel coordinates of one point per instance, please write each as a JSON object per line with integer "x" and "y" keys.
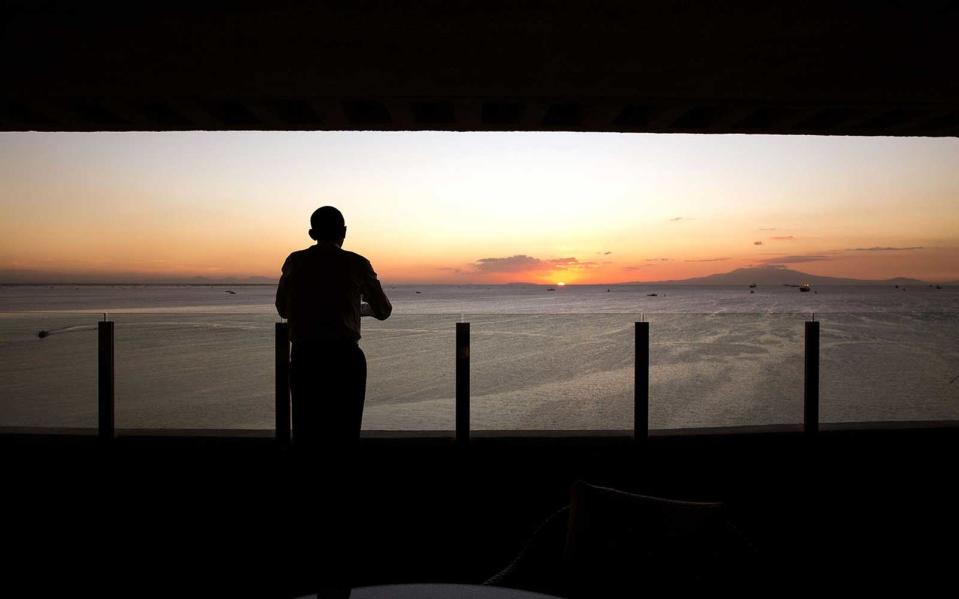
{"x": 379, "y": 306}
{"x": 282, "y": 293}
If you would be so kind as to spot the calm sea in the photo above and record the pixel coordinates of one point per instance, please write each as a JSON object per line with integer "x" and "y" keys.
{"x": 202, "y": 356}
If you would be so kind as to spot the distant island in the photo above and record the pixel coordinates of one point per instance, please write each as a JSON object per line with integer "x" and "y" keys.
{"x": 778, "y": 275}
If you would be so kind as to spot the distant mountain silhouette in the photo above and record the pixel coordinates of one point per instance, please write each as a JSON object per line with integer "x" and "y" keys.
{"x": 777, "y": 275}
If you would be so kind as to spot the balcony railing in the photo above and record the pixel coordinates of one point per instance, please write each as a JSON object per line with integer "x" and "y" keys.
{"x": 624, "y": 373}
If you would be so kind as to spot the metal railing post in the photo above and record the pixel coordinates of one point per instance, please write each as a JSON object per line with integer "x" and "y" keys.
{"x": 282, "y": 352}
{"x": 811, "y": 380}
{"x": 106, "y": 412}
{"x": 462, "y": 383}
{"x": 641, "y": 383}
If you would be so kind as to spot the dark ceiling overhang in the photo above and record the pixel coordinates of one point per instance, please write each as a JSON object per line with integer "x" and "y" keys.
{"x": 817, "y": 67}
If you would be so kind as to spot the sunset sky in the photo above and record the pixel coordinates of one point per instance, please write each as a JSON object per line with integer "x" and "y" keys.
{"x": 434, "y": 207}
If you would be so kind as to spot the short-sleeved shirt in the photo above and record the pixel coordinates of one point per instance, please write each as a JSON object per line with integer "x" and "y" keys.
{"x": 320, "y": 292}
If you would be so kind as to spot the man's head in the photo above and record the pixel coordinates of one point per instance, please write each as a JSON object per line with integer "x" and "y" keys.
{"x": 328, "y": 225}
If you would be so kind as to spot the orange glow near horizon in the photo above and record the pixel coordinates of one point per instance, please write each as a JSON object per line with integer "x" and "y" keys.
{"x": 429, "y": 207}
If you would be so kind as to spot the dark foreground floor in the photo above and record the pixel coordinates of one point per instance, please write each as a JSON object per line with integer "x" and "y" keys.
{"x": 855, "y": 510}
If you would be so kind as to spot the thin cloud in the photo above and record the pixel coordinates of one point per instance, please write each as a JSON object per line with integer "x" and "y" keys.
{"x": 638, "y": 267}
{"x": 568, "y": 264}
{"x": 517, "y": 263}
{"x": 782, "y": 238}
{"x": 658, "y": 259}
{"x": 524, "y": 263}
{"x": 708, "y": 260}
{"x": 885, "y": 249}
{"x": 793, "y": 260}
{"x": 677, "y": 219}
{"x": 767, "y": 228}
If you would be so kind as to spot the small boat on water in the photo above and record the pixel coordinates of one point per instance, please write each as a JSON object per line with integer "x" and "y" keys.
{"x": 805, "y": 287}
{"x": 752, "y": 286}
{"x": 652, "y": 294}
{"x": 551, "y": 289}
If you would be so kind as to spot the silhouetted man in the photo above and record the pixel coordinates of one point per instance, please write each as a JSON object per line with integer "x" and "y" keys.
{"x": 321, "y": 292}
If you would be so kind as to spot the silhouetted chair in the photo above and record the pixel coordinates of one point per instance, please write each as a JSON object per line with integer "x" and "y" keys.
{"x": 607, "y": 542}
{"x": 538, "y": 566}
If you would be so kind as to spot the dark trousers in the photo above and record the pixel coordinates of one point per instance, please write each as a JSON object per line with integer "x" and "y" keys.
{"x": 328, "y": 385}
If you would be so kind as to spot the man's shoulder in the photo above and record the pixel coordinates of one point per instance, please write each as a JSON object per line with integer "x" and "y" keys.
{"x": 294, "y": 258}
{"x": 299, "y": 254}
{"x": 355, "y": 259}
{"x": 356, "y": 262}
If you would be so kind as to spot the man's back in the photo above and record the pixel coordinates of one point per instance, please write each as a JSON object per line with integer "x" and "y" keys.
{"x": 320, "y": 292}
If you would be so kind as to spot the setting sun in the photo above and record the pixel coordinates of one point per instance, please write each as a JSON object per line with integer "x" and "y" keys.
{"x": 561, "y": 283}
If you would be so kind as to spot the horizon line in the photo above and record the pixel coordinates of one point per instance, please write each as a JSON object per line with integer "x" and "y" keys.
{"x": 262, "y": 280}
{"x": 674, "y": 282}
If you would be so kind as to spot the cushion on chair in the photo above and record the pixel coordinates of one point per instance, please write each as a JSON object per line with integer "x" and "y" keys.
{"x": 538, "y": 566}
{"x": 610, "y": 543}
{"x": 620, "y": 541}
